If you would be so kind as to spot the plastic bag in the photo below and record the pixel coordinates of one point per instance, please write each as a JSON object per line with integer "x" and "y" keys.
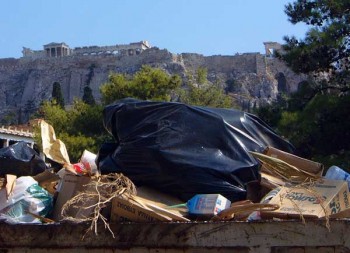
{"x": 185, "y": 150}
{"x": 27, "y": 197}
{"x": 21, "y": 160}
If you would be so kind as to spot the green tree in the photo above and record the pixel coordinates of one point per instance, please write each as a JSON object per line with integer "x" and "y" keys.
{"x": 211, "y": 96}
{"x": 320, "y": 130}
{"x": 147, "y": 84}
{"x": 203, "y": 93}
{"x": 202, "y": 75}
{"x": 326, "y": 46}
{"x": 76, "y": 144}
{"x": 116, "y": 88}
{"x": 57, "y": 94}
{"x": 53, "y": 114}
{"x": 313, "y": 118}
{"x": 299, "y": 99}
{"x": 91, "y": 74}
{"x": 85, "y": 119}
{"x": 272, "y": 113}
{"x": 80, "y": 127}
{"x": 230, "y": 86}
{"x": 88, "y": 97}
{"x": 9, "y": 118}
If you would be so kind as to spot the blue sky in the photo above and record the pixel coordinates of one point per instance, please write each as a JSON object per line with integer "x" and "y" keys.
{"x": 208, "y": 27}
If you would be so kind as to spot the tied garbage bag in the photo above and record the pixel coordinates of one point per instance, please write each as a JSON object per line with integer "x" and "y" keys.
{"x": 26, "y": 200}
{"x": 21, "y": 160}
{"x": 185, "y": 150}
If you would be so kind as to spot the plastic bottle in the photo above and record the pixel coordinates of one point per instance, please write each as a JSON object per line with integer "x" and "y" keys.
{"x": 205, "y": 204}
{"x": 336, "y": 173}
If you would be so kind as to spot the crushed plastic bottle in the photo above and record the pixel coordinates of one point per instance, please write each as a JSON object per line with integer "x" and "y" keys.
{"x": 205, "y": 204}
{"x": 336, "y": 173}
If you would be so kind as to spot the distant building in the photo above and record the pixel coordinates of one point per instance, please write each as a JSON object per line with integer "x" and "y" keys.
{"x": 271, "y": 48}
{"x": 55, "y": 50}
{"x": 12, "y": 134}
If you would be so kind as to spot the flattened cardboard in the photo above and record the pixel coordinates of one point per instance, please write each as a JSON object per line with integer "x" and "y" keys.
{"x": 125, "y": 209}
{"x": 160, "y": 199}
{"x": 156, "y": 208}
{"x": 299, "y": 162}
{"x": 324, "y": 198}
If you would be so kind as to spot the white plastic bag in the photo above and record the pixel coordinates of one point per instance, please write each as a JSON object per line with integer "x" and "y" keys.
{"x": 27, "y": 197}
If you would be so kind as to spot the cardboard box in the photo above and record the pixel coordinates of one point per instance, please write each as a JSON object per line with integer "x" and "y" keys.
{"x": 148, "y": 205}
{"x": 323, "y": 198}
{"x": 70, "y": 186}
{"x": 126, "y": 209}
{"x": 300, "y": 163}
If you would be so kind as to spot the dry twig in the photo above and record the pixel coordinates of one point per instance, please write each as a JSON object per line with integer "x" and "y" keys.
{"x": 96, "y": 195}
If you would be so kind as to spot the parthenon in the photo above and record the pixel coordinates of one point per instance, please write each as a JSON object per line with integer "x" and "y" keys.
{"x": 55, "y": 50}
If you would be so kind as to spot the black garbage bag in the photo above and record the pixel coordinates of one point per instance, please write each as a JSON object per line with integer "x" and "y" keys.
{"x": 21, "y": 160}
{"x": 185, "y": 150}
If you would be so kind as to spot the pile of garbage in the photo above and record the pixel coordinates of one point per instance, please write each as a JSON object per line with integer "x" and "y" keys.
{"x": 169, "y": 162}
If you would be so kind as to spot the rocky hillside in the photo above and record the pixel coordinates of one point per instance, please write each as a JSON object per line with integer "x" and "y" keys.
{"x": 251, "y": 78}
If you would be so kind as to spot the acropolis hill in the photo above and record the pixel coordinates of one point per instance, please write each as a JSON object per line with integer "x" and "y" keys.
{"x": 25, "y": 82}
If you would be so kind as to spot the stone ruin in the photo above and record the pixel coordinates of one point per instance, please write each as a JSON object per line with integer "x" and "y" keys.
{"x": 271, "y": 48}
{"x": 54, "y": 50}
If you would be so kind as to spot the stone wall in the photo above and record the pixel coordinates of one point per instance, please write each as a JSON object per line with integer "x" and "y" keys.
{"x": 275, "y": 66}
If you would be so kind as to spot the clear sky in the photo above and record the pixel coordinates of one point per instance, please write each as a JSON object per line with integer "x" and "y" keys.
{"x": 208, "y": 27}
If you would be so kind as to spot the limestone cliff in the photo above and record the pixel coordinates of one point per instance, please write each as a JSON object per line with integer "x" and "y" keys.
{"x": 25, "y": 82}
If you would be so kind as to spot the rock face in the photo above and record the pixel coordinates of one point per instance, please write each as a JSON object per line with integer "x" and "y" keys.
{"x": 25, "y": 82}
